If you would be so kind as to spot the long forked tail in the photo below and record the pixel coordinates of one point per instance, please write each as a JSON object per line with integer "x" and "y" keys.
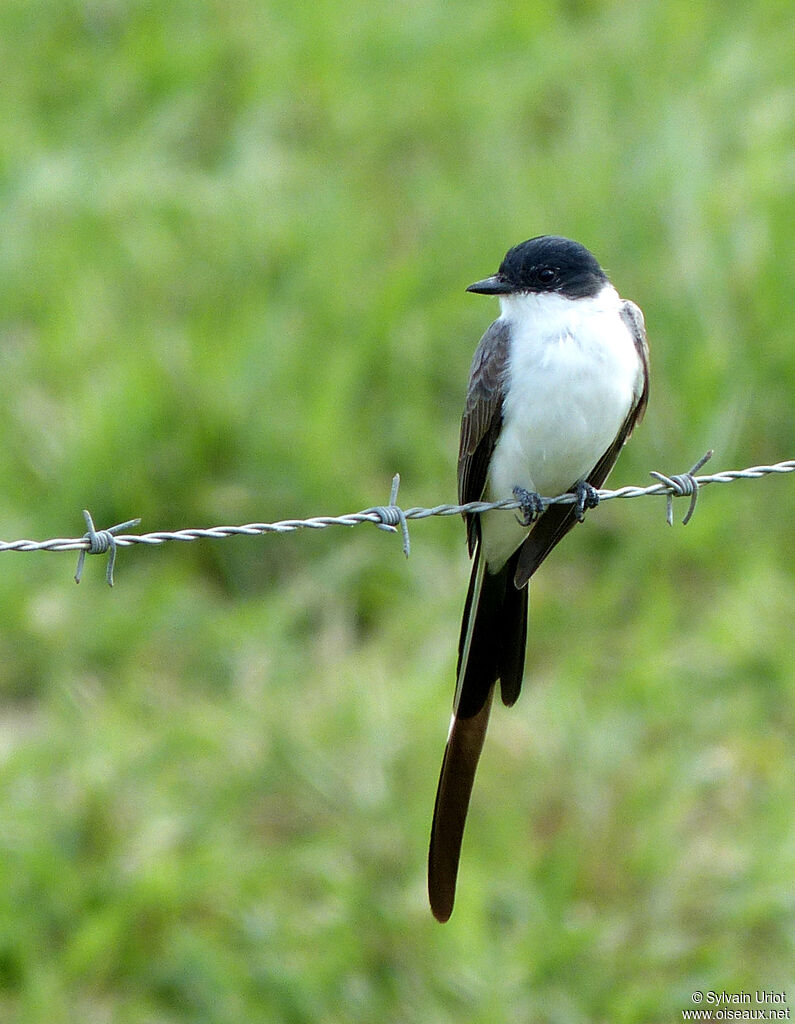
{"x": 492, "y": 646}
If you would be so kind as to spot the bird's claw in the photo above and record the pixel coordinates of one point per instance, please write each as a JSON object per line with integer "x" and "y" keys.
{"x": 587, "y": 497}
{"x": 530, "y": 506}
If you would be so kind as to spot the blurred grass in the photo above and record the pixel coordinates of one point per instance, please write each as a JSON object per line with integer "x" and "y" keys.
{"x": 234, "y": 243}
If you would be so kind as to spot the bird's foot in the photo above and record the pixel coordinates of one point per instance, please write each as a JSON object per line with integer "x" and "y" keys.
{"x": 530, "y": 506}
{"x": 587, "y": 497}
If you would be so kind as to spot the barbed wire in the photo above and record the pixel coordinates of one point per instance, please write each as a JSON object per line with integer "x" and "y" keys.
{"x": 389, "y": 517}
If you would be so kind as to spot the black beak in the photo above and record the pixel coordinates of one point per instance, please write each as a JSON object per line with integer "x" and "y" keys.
{"x": 495, "y": 285}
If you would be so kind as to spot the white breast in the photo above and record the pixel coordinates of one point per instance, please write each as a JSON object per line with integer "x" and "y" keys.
{"x": 572, "y": 377}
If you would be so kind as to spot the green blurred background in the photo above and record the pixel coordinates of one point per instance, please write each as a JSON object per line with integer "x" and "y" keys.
{"x": 234, "y": 244}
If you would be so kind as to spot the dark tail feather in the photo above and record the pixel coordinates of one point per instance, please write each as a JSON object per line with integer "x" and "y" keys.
{"x": 497, "y": 638}
{"x": 513, "y": 638}
{"x": 491, "y": 647}
{"x": 452, "y": 802}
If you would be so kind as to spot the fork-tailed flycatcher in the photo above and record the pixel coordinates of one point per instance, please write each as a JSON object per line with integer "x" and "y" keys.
{"x": 557, "y": 384}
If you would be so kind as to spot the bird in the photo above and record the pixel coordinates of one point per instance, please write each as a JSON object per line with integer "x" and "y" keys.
{"x": 557, "y": 384}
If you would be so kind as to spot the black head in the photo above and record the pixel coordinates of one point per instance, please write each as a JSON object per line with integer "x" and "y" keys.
{"x": 546, "y": 264}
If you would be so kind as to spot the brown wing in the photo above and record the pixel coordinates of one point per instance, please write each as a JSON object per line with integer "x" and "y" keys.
{"x": 482, "y": 419}
{"x": 556, "y": 522}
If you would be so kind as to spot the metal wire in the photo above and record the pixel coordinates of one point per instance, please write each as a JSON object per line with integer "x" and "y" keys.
{"x": 386, "y": 517}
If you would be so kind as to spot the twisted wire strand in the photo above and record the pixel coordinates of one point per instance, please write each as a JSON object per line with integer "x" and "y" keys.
{"x": 390, "y": 517}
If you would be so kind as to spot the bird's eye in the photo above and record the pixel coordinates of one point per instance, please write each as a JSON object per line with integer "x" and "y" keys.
{"x": 546, "y": 275}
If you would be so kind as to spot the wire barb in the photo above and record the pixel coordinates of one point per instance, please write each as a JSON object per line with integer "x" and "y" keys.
{"x": 682, "y": 485}
{"x": 100, "y": 541}
{"x": 392, "y": 515}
